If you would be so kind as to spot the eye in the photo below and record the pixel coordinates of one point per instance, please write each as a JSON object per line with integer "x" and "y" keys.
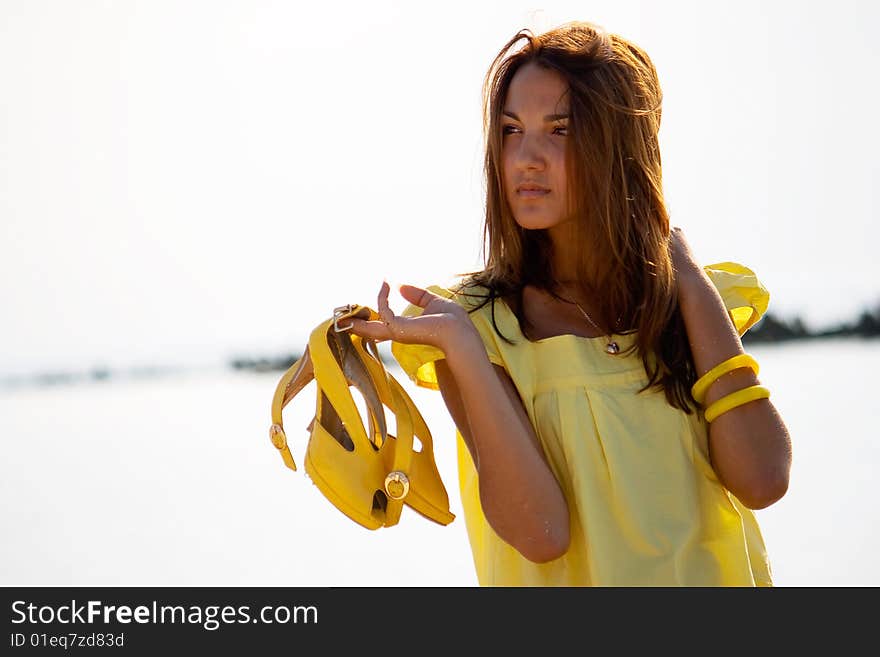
{"x": 508, "y": 129}
{"x": 560, "y": 130}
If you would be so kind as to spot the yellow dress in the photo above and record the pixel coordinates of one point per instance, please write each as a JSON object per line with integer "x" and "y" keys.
{"x": 646, "y": 506}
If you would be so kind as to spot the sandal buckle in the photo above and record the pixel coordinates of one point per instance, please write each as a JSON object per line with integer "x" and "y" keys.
{"x": 338, "y": 313}
{"x": 397, "y": 485}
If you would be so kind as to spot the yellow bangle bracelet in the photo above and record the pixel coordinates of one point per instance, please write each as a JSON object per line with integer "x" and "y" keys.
{"x": 701, "y": 387}
{"x": 735, "y": 399}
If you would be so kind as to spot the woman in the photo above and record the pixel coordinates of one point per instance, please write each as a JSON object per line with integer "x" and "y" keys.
{"x": 569, "y": 363}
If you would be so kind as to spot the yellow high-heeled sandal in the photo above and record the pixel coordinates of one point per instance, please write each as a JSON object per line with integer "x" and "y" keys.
{"x": 367, "y": 477}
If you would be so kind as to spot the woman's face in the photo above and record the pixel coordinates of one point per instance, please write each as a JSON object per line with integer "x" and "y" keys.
{"x": 534, "y": 134}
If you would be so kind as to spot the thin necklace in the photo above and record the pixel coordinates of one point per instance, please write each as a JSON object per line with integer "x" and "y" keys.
{"x": 612, "y": 347}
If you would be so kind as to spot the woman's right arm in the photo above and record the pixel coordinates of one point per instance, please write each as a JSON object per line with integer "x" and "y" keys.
{"x": 519, "y": 494}
{"x": 520, "y": 497}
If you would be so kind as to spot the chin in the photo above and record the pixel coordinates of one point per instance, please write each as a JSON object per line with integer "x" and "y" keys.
{"x": 537, "y": 222}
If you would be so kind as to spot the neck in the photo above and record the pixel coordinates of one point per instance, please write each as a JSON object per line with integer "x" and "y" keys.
{"x": 565, "y": 261}
{"x": 562, "y": 237}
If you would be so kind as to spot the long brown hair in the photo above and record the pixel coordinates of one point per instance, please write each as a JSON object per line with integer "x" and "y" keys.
{"x": 614, "y": 172}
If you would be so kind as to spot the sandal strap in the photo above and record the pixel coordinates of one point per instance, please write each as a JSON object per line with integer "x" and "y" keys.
{"x": 394, "y": 397}
{"x": 297, "y": 377}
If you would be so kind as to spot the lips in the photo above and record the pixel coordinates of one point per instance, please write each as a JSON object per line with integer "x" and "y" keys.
{"x": 531, "y": 191}
{"x": 531, "y": 187}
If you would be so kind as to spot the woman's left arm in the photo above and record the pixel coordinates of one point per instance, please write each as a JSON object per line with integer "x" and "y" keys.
{"x": 749, "y": 446}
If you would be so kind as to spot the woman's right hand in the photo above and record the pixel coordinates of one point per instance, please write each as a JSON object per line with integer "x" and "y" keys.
{"x": 441, "y": 321}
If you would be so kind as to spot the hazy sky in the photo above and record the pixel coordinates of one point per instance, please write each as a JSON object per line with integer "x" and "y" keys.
{"x": 187, "y": 180}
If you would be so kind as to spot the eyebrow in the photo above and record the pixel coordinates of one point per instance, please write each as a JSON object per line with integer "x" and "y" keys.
{"x": 547, "y": 119}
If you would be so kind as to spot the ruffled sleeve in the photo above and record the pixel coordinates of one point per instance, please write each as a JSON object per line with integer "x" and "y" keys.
{"x": 417, "y": 360}
{"x": 745, "y": 298}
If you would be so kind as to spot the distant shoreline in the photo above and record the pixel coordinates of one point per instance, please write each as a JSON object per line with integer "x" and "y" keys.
{"x": 769, "y": 330}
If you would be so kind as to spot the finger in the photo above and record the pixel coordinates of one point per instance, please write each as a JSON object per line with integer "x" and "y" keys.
{"x": 372, "y": 330}
{"x": 382, "y": 307}
{"x": 417, "y": 296}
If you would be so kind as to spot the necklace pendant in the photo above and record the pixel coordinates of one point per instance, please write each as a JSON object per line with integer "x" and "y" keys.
{"x": 613, "y": 348}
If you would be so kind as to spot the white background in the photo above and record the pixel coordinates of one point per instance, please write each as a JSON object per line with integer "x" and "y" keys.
{"x": 190, "y": 181}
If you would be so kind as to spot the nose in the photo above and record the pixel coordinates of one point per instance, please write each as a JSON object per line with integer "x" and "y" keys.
{"x": 529, "y": 154}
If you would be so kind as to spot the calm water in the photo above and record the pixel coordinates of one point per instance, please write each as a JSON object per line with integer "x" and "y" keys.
{"x": 173, "y": 481}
